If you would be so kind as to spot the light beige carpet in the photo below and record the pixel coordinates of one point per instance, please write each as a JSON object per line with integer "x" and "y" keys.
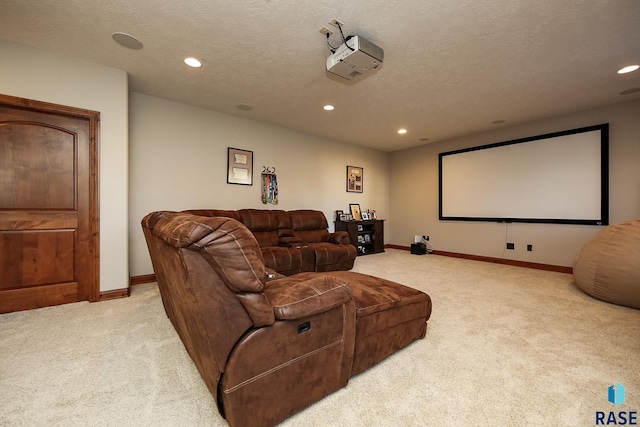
{"x": 506, "y": 346}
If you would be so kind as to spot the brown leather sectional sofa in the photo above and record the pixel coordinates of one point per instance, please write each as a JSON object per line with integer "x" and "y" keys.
{"x": 293, "y": 241}
{"x": 268, "y": 345}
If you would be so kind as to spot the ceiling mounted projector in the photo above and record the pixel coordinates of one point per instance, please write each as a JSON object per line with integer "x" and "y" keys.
{"x": 354, "y": 57}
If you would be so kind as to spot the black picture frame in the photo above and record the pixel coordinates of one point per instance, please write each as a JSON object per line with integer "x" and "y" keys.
{"x": 239, "y": 166}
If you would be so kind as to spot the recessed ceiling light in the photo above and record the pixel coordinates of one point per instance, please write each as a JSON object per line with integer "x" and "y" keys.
{"x": 244, "y": 107}
{"x": 126, "y": 40}
{"x": 628, "y": 69}
{"x": 192, "y": 62}
{"x": 402, "y": 131}
{"x": 328, "y": 107}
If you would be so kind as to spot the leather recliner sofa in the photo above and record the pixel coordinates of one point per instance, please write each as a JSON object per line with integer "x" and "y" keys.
{"x": 268, "y": 345}
{"x": 293, "y": 241}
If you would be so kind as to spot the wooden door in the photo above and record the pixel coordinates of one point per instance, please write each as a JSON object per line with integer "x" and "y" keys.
{"x": 49, "y": 251}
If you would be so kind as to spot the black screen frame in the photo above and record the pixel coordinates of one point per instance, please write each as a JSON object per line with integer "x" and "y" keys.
{"x": 604, "y": 179}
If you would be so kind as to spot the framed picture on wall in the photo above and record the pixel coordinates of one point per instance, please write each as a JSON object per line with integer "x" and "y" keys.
{"x": 355, "y": 176}
{"x": 239, "y": 166}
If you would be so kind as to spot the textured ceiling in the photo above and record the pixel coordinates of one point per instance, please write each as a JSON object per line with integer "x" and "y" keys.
{"x": 450, "y": 68}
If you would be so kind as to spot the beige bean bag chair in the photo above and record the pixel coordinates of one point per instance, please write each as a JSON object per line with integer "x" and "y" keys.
{"x": 608, "y": 267}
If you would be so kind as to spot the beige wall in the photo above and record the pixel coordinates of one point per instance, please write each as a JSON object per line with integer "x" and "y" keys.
{"x": 413, "y": 202}
{"x": 177, "y": 156}
{"x": 34, "y": 74}
{"x": 178, "y": 160}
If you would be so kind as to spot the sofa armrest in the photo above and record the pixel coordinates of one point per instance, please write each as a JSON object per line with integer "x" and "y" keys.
{"x": 307, "y": 298}
{"x": 339, "y": 238}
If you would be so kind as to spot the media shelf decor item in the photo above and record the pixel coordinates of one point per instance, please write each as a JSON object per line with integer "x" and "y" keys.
{"x": 366, "y": 235}
{"x": 355, "y": 211}
{"x": 355, "y": 176}
{"x": 239, "y": 166}
{"x": 269, "y": 185}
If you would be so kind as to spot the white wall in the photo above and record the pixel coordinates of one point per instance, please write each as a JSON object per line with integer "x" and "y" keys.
{"x": 42, "y": 76}
{"x": 414, "y": 197}
{"x": 178, "y": 160}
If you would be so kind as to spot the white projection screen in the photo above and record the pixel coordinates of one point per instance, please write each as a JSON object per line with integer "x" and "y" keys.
{"x": 560, "y": 178}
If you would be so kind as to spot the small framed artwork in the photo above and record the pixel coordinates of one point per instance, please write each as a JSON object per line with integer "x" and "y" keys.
{"x": 365, "y": 215}
{"x": 355, "y": 176}
{"x": 344, "y": 217}
{"x": 239, "y": 166}
{"x": 339, "y": 214}
{"x": 355, "y": 211}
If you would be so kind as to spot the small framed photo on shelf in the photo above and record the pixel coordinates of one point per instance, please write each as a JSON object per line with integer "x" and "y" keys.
{"x": 367, "y": 238}
{"x": 360, "y": 227}
{"x": 365, "y": 215}
{"x": 354, "y": 179}
{"x": 239, "y": 166}
{"x": 339, "y": 214}
{"x": 355, "y": 211}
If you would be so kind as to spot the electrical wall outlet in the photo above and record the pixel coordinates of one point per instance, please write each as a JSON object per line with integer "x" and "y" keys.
{"x": 530, "y": 248}
{"x": 336, "y": 23}
{"x": 425, "y": 237}
{"x": 325, "y": 30}
{"x": 511, "y": 245}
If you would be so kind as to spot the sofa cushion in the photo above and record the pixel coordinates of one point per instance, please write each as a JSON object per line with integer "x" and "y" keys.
{"x": 284, "y": 260}
{"x": 331, "y": 256}
{"x": 307, "y": 219}
{"x": 225, "y": 243}
{"x": 309, "y": 225}
{"x": 263, "y": 224}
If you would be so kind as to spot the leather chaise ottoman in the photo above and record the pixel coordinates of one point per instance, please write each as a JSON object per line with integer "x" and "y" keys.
{"x": 389, "y": 316}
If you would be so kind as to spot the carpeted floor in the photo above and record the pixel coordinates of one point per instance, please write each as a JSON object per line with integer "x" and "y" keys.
{"x": 506, "y": 346}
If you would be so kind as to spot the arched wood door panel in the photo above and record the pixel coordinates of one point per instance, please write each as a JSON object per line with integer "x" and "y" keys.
{"x": 48, "y": 204}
